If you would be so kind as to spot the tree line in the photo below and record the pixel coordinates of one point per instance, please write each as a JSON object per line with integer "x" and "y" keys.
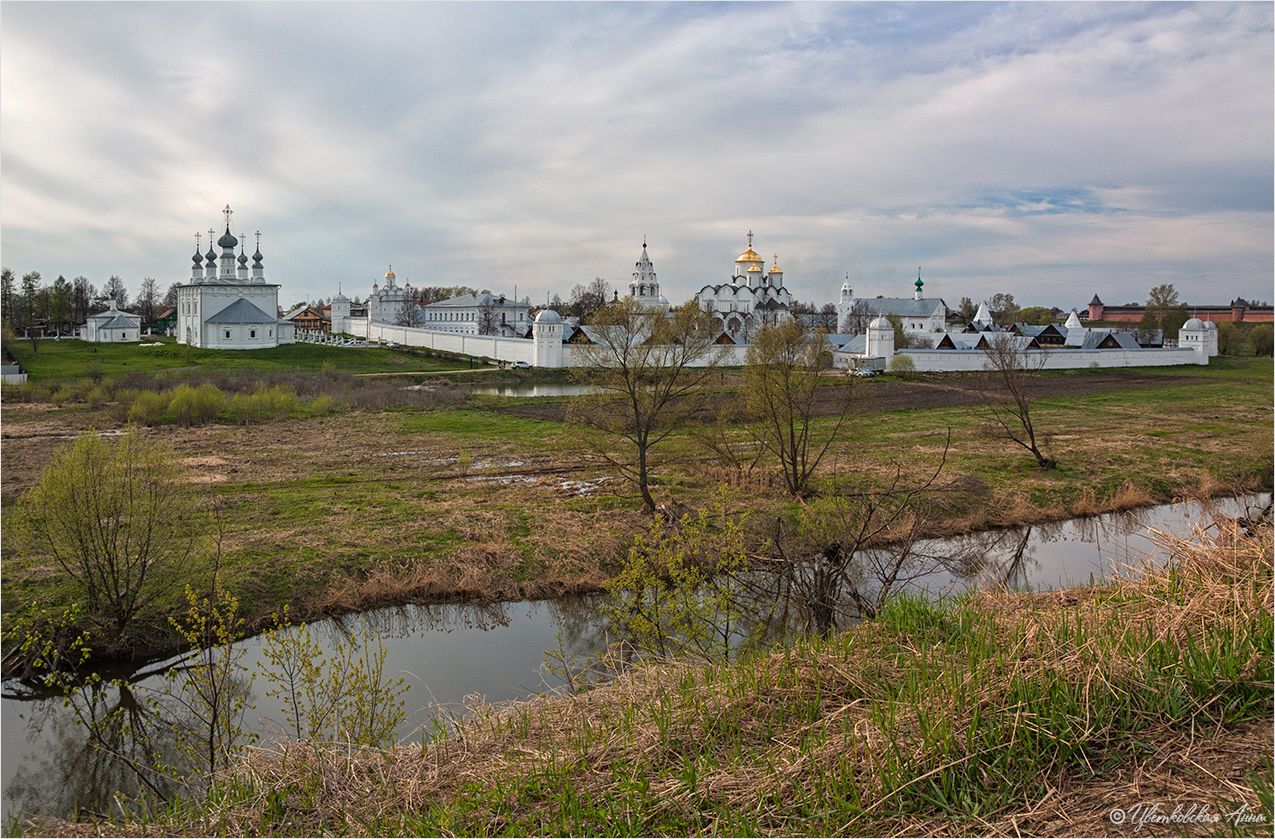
{"x": 63, "y": 304}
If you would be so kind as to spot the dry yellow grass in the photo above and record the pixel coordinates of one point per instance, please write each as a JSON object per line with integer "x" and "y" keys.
{"x": 1043, "y": 711}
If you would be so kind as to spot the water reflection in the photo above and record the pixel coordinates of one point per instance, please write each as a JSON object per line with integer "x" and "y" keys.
{"x": 52, "y": 764}
{"x": 532, "y": 390}
{"x": 55, "y": 764}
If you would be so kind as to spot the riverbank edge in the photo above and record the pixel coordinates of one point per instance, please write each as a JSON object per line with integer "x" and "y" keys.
{"x": 352, "y": 597}
{"x": 1168, "y": 676}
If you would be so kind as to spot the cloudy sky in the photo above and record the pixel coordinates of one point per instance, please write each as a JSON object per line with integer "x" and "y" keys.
{"x": 1048, "y": 150}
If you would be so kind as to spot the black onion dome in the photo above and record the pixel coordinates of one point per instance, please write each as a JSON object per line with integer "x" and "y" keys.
{"x": 243, "y": 260}
{"x": 211, "y": 256}
{"x": 198, "y": 258}
{"x": 227, "y": 240}
{"x": 256, "y": 259}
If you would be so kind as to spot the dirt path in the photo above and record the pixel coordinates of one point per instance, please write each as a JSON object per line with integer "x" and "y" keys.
{"x": 951, "y": 392}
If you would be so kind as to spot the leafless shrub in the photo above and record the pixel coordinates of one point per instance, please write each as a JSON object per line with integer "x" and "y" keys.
{"x": 1012, "y": 367}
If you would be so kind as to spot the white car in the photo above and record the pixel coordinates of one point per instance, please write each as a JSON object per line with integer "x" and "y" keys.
{"x": 521, "y": 365}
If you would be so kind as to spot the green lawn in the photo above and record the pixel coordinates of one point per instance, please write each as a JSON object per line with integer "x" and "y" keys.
{"x": 68, "y": 359}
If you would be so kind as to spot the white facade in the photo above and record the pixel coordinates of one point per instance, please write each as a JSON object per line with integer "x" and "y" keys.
{"x": 753, "y": 296}
{"x": 385, "y": 304}
{"x": 112, "y": 326}
{"x": 478, "y": 314}
{"x": 467, "y": 314}
{"x": 645, "y": 287}
{"x": 226, "y": 305}
{"x": 1200, "y": 336}
{"x": 918, "y": 315}
{"x": 341, "y": 313}
{"x": 879, "y": 349}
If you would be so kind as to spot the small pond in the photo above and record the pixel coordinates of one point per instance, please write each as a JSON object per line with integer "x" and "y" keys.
{"x": 450, "y": 652}
{"x": 517, "y": 390}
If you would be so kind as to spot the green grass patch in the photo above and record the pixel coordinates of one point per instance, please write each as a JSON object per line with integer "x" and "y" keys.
{"x": 72, "y": 358}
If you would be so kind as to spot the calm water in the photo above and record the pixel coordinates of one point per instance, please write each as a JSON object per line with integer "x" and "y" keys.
{"x": 529, "y": 390}
{"x": 515, "y": 390}
{"x": 447, "y": 653}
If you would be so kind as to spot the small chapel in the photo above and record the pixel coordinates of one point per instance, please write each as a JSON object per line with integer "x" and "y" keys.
{"x": 226, "y": 305}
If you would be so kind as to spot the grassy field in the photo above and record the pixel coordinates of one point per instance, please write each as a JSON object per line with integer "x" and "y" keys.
{"x": 997, "y": 714}
{"x": 75, "y": 359}
{"x": 365, "y": 508}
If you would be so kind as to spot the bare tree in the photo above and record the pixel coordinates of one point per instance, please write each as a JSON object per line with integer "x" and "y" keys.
{"x": 148, "y": 300}
{"x": 115, "y": 290}
{"x": 587, "y": 299}
{"x": 1012, "y": 368}
{"x": 488, "y": 319}
{"x": 857, "y": 319}
{"x": 843, "y": 556}
{"x": 649, "y": 368}
{"x": 781, "y": 387}
{"x": 405, "y": 315}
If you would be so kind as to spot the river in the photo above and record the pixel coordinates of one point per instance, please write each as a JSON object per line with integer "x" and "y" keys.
{"x": 497, "y": 652}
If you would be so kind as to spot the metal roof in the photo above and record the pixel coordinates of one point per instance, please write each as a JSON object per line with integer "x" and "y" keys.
{"x": 905, "y": 307}
{"x": 479, "y": 300}
{"x": 241, "y": 311}
{"x": 854, "y": 344}
{"x": 119, "y": 322}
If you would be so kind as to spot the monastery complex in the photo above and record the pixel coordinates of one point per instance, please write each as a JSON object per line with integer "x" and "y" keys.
{"x": 229, "y": 304}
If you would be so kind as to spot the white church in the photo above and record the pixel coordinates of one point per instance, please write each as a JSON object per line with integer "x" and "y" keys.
{"x": 752, "y": 298}
{"x": 918, "y": 315}
{"x": 226, "y": 305}
{"x": 112, "y": 325}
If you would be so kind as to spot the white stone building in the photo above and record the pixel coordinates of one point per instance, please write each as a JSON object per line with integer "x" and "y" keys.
{"x": 386, "y": 303}
{"x": 112, "y": 326}
{"x": 645, "y": 287}
{"x": 1199, "y": 335}
{"x": 478, "y": 314}
{"x": 226, "y": 307}
{"x": 918, "y": 314}
{"x": 753, "y": 296}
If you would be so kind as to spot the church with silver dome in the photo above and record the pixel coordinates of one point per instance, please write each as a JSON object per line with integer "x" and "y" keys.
{"x": 226, "y": 305}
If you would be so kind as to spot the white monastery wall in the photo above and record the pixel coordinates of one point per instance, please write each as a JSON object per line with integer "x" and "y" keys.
{"x": 942, "y": 361}
{"x": 927, "y": 361}
{"x": 491, "y": 346}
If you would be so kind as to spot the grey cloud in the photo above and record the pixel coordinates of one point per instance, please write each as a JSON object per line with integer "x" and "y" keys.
{"x": 534, "y": 144}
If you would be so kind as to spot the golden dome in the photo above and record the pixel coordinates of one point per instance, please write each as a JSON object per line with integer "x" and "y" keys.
{"x": 750, "y": 255}
{"x": 775, "y": 269}
{"x": 389, "y": 275}
{"x": 752, "y": 268}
